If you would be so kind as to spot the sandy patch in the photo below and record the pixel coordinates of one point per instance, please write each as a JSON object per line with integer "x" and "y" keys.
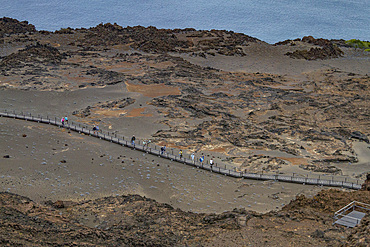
{"x": 217, "y": 149}
{"x": 126, "y": 67}
{"x": 110, "y": 113}
{"x": 155, "y": 90}
{"x": 138, "y": 112}
{"x": 295, "y": 161}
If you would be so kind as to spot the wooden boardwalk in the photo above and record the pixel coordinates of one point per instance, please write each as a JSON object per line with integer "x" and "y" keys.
{"x": 155, "y": 150}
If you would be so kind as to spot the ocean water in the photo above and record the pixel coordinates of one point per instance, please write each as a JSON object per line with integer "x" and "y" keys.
{"x": 268, "y": 20}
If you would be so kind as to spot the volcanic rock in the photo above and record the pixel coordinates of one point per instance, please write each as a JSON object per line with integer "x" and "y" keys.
{"x": 328, "y": 50}
{"x": 38, "y": 53}
{"x": 13, "y": 26}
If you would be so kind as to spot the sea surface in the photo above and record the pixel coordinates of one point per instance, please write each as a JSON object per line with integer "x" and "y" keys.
{"x": 268, "y": 20}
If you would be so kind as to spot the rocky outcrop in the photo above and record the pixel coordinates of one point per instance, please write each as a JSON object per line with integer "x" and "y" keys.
{"x": 155, "y": 40}
{"x": 111, "y": 105}
{"x": 257, "y": 163}
{"x": 111, "y": 221}
{"x": 321, "y": 168}
{"x": 13, "y": 26}
{"x": 138, "y": 221}
{"x": 360, "y": 136}
{"x": 106, "y": 77}
{"x": 328, "y": 50}
{"x": 148, "y": 39}
{"x": 31, "y": 55}
{"x": 328, "y": 200}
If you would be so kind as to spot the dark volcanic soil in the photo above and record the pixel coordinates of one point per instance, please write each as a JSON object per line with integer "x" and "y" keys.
{"x": 137, "y": 221}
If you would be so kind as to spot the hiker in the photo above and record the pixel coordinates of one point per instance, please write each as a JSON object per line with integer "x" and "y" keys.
{"x": 192, "y": 157}
{"x": 95, "y": 128}
{"x": 180, "y": 153}
{"x": 66, "y": 119}
{"x": 211, "y": 163}
{"x": 144, "y": 143}
{"x": 162, "y": 150}
{"x": 62, "y": 120}
{"x": 201, "y": 159}
{"x": 147, "y": 143}
{"x": 133, "y": 140}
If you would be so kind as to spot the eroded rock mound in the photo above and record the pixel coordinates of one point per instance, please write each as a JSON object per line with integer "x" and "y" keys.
{"x": 155, "y": 40}
{"x": 38, "y": 53}
{"x": 328, "y": 200}
{"x": 13, "y": 26}
{"x": 328, "y": 50}
{"x": 258, "y": 163}
{"x": 108, "y": 105}
{"x": 111, "y": 221}
{"x": 321, "y": 168}
{"x": 148, "y": 39}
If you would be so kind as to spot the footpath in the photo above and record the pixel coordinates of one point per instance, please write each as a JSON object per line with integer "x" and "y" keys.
{"x": 153, "y": 149}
